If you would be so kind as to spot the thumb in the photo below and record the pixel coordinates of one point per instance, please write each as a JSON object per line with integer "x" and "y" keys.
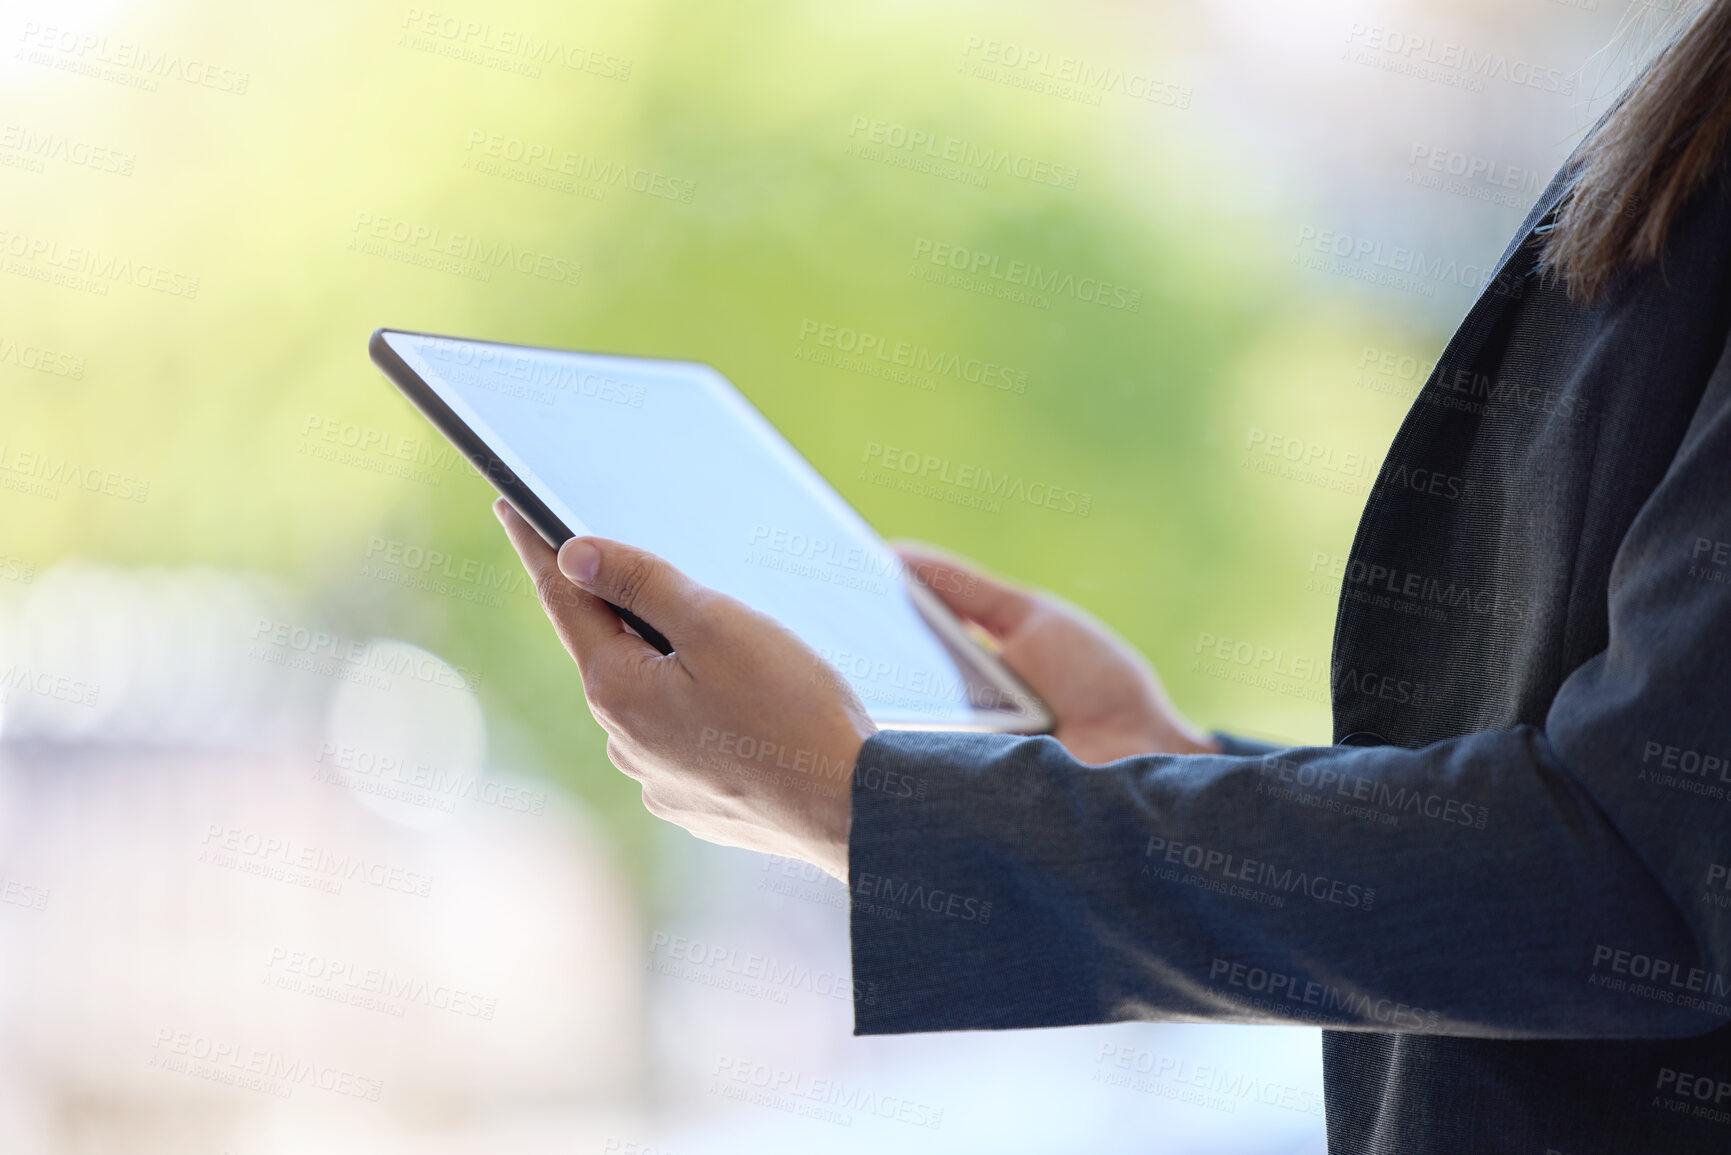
{"x": 635, "y": 580}
{"x": 999, "y": 608}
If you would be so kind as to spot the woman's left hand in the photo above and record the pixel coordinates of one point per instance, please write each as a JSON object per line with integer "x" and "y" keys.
{"x": 743, "y": 735}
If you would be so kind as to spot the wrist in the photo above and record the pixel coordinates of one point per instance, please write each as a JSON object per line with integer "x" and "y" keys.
{"x": 834, "y": 811}
{"x": 1176, "y": 736}
{"x": 1198, "y": 743}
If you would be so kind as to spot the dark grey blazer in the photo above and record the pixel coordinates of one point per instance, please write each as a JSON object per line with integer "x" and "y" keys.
{"x": 1507, "y": 889}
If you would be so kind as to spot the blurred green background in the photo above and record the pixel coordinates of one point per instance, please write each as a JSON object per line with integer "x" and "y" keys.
{"x": 351, "y": 111}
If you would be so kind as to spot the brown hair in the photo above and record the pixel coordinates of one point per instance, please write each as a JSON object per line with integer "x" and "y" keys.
{"x": 1658, "y": 144}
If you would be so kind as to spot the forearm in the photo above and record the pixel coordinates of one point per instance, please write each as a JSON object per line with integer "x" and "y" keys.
{"x": 1469, "y": 888}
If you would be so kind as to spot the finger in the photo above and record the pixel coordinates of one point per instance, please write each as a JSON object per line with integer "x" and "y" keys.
{"x": 636, "y": 580}
{"x": 589, "y": 629}
{"x": 621, "y": 760}
{"x": 999, "y": 608}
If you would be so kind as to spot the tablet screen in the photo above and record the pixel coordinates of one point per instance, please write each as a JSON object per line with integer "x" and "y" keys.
{"x": 669, "y": 457}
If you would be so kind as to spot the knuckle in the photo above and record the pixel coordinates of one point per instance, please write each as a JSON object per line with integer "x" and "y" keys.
{"x": 552, "y": 590}
{"x": 616, "y": 755}
{"x": 614, "y": 690}
{"x": 705, "y": 617}
{"x": 635, "y": 575}
{"x": 1043, "y": 608}
{"x": 603, "y": 699}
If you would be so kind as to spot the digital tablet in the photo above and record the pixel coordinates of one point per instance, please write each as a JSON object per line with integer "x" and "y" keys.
{"x": 669, "y": 457}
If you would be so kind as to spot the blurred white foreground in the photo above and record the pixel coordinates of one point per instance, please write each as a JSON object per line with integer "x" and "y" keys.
{"x": 263, "y": 892}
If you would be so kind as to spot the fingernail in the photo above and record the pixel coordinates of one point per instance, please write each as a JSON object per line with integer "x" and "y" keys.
{"x": 499, "y": 509}
{"x": 578, "y": 560}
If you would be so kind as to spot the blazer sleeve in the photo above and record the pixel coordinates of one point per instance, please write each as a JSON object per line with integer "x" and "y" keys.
{"x": 1568, "y": 881}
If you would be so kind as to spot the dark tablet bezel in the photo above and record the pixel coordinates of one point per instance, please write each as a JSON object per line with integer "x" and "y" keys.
{"x": 1035, "y": 715}
{"x": 469, "y": 444}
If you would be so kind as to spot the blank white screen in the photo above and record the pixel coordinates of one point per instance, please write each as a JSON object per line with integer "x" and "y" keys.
{"x": 668, "y": 457}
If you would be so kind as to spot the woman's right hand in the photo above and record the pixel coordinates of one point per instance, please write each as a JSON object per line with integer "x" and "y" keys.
{"x": 1107, "y": 699}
